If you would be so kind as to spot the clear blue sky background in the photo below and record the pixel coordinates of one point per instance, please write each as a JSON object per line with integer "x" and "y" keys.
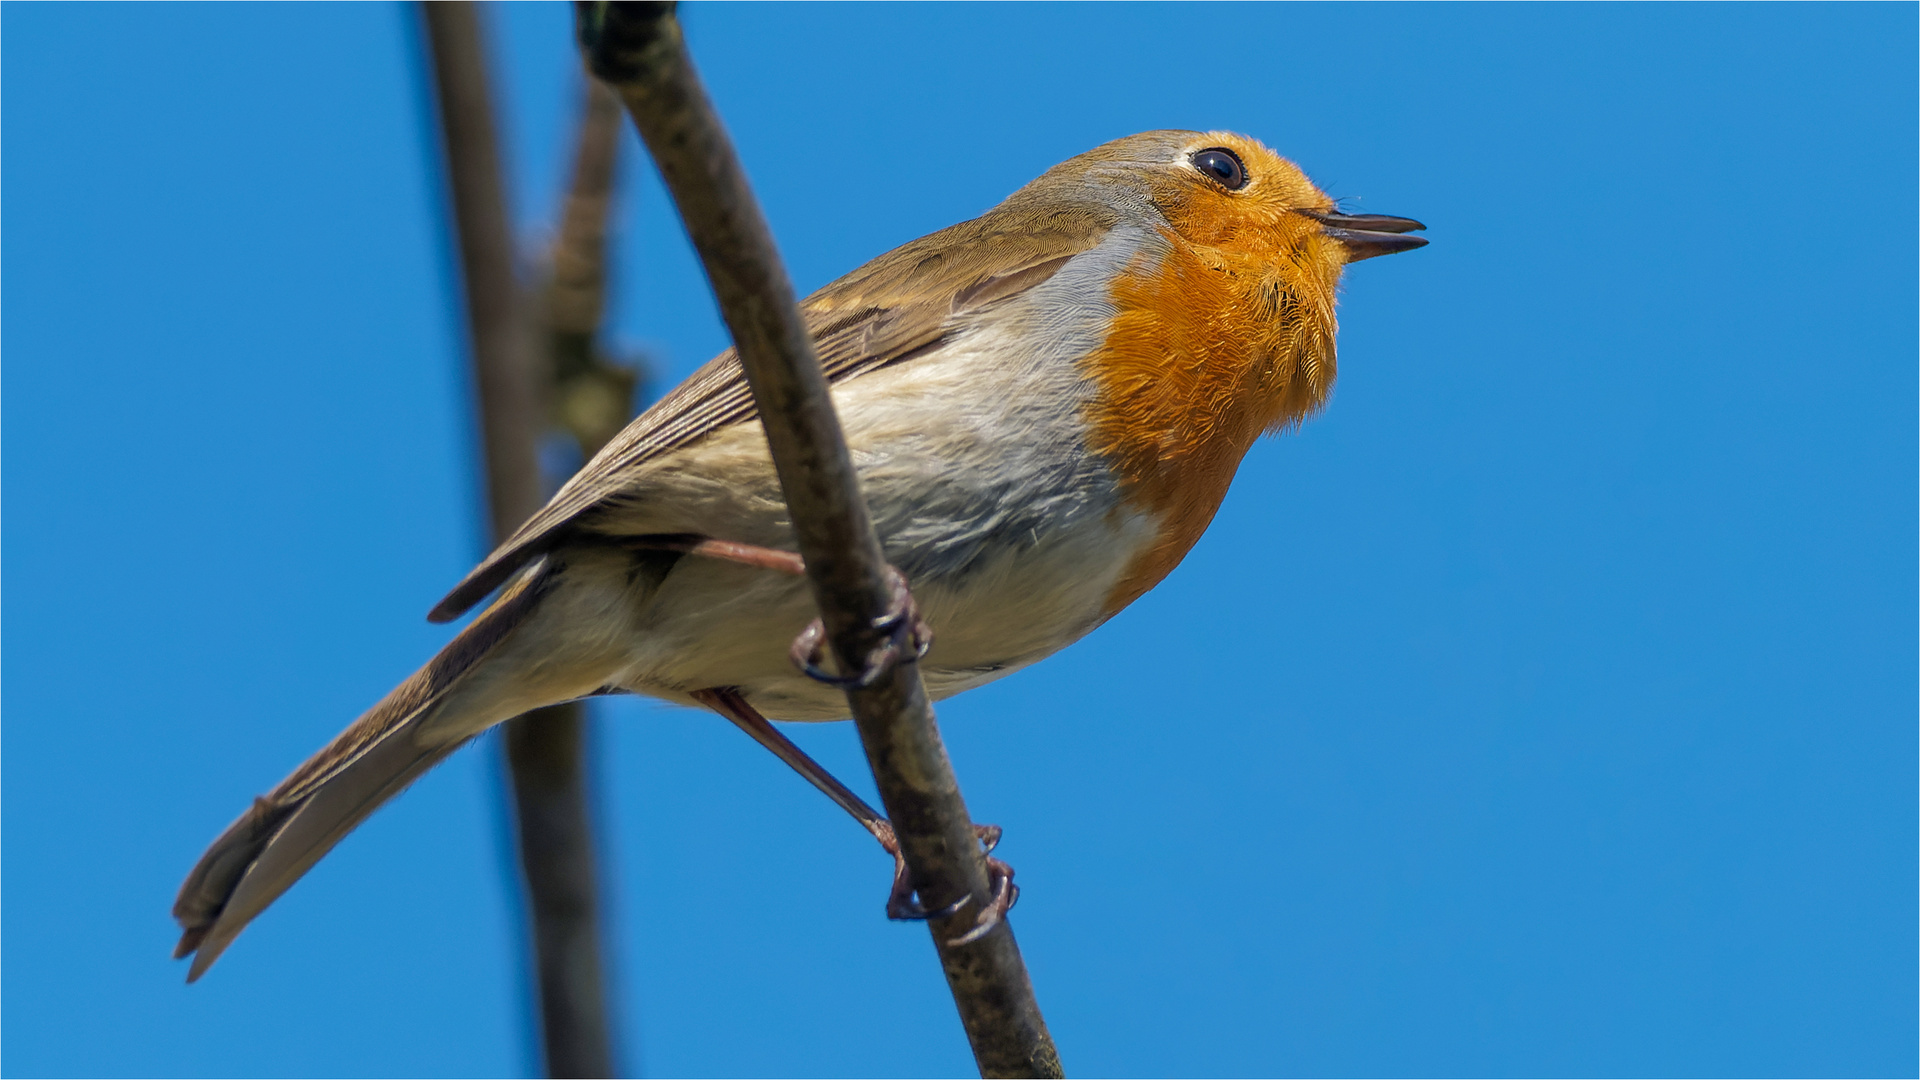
{"x": 1545, "y": 707}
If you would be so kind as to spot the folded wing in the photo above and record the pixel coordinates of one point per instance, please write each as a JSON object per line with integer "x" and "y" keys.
{"x": 898, "y": 306}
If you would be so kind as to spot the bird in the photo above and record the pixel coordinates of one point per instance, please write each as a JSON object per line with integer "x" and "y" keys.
{"x": 1045, "y": 406}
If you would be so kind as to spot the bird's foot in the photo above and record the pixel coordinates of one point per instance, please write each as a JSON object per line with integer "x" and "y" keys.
{"x": 908, "y": 638}
{"x": 902, "y": 905}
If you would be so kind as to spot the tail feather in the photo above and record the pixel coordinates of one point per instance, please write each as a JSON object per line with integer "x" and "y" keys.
{"x": 287, "y": 830}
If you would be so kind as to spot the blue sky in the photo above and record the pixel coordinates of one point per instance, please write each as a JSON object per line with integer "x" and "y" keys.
{"x": 1547, "y": 706}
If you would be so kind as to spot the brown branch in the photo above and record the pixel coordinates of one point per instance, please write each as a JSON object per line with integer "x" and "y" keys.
{"x": 638, "y": 49}
{"x": 545, "y": 749}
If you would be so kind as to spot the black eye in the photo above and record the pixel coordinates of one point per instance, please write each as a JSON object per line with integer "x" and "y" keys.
{"x": 1223, "y": 165}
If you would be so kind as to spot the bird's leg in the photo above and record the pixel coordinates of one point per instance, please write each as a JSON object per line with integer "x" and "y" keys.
{"x": 729, "y": 703}
{"x": 766, "y": 558}
{"x": 900, "y": 902}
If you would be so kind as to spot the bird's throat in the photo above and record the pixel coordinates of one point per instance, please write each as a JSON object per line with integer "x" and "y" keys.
{"x": 1209, "y": 348}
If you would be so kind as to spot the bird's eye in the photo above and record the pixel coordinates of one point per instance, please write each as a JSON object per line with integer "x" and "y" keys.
{"x": 1223, "y": 165}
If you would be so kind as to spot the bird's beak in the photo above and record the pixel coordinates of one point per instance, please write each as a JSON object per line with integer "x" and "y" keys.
{"x": 1367, "y": 235}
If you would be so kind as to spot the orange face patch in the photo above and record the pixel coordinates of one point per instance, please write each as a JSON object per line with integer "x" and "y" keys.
{"x": 1229, "y": 336}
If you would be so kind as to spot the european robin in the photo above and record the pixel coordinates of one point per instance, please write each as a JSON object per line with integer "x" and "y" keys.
{"x": 1045, "y": 406}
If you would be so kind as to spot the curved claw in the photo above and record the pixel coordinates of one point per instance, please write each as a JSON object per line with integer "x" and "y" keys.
{"x": 1005, "y": 894}
{"x": 901, "y": 905}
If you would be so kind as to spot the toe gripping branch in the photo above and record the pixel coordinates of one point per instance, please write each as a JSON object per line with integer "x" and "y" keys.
{"x": 901, "y": 904}
{"x": 907, "y": 634}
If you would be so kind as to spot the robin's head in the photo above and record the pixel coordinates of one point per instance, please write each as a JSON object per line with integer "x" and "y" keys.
{"x": 1246, "y": 289}
{"x": 1270, "y": 243}
{"x": 1229, "y": 193}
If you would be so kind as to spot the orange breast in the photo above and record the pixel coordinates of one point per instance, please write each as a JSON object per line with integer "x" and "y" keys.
{"x": 1210, "y": 348}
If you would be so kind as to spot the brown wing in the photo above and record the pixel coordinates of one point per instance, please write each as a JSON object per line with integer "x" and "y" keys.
{"x": 891, "y": 309}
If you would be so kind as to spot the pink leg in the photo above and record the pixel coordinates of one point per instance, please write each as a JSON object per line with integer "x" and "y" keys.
{"x": 900, "y": 902}
{"x": 785, "y": 562}
{"x": 729, "y": 703}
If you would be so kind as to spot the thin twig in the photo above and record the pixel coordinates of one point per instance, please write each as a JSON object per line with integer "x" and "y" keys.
{"x": 545, "y": 749}
{"x": 638, "y": 49}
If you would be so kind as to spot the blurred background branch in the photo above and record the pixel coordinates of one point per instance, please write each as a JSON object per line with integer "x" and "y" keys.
{"x": 592, "y": 389}
{"x": 539, "y": 364}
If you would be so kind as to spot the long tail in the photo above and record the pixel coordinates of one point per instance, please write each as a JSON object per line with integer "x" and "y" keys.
{"x": 287, "y": 830}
